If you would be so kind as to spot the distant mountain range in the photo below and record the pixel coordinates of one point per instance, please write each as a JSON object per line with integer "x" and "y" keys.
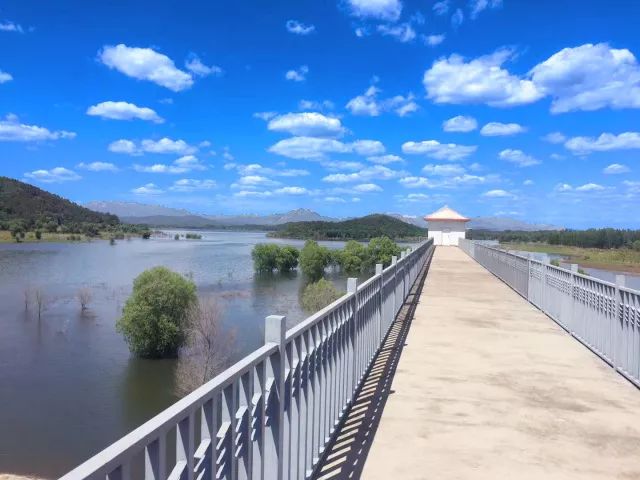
{"x": 156, "y": 215}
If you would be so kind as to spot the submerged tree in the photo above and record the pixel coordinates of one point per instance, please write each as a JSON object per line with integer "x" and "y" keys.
{"x": 314, "y": 259}
{"x": 207, "y": 348}
{"x": 155, "y": 317}
{"x": 318, "y": 295}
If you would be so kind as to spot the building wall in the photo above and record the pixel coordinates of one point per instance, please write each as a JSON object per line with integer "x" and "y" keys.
{"x": 446, "y": 232}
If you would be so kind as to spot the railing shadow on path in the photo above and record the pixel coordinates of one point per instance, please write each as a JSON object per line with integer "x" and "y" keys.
{"x": 346, "y": 456}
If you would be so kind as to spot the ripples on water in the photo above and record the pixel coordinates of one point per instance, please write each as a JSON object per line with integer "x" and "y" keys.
{"x": 68, "y": 386}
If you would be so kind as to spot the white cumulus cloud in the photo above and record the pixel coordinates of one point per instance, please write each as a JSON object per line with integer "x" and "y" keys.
{"x": 11, "y": 130}
{"x": 311, "y": 124}
{"x": 439, "y": 151}
{"x": 195, "y": 66}
{"x": 604, "y": 143}
{"x": 98, "y": 167}
{"x": 145, "y": 64}
{"x": 378, "y": 9}
{"x": 615, "y": 169}
{"x": 368, "y": 104}
{"x": 148, "y": 189}
{"x": 434, "y": 40}
{"x": 5, "y": 77}
{"x": 443, "y": 170}
{"x": 299, "y": 28}
{"x": 402, "y": 32}
{"x": 460, "y": 123}
{"x": 518, "y": 157}
{"x": 478, "y": 6}
{"x": 297, "y": 75}
{"x": 481, "y": 80}
{"x": 55, "y": 175}
{"x": 164, "y": 145}
{"x": 498, "y": 194}
{"x": 317, "y": 148}
{"x": 497, "y": 129}
{"x": 123, "y": 111}
{"x": 192, "y": 185}
{"x": 385, "y": 159}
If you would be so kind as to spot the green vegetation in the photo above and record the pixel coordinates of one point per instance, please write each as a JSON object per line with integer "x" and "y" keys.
{"x": 176, "y": 236}
{"x": 27, "y": 209}
{"x": 314, "y": 259}
{"x": 193, "y": 236}
{"x": 268, "y": 257}
{"x": 318, "y": 295}
{"x": 356, "y": 258}
{"x": 603, "y": 238}
{"x": 155, "y": 317}
{"x": 363, "y": 228}
{"x": 622, "y": 259}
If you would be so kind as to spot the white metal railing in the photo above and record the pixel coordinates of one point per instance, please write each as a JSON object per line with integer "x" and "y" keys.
{"x": 603, "y": 316}
{"x": 272, "y": 414}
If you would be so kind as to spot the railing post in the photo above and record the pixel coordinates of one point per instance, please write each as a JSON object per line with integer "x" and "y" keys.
{"x": 380, "y": 271}
{"x": 274, "y": 332}
{"x": 572, "y": 317}
{"x": 545, "y": 262}
{"x": 394, "y": 262}
{"x": 618, "y": 323}
{"x": 352, "y": 287}
{"x": 403, "y": 256}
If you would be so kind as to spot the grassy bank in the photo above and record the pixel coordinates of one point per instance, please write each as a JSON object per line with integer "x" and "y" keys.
{"x": 30, "y": 237}
{"x": 617, "y": 259}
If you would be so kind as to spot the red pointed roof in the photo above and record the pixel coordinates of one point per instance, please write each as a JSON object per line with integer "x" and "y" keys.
{"x": 446, "y": 213}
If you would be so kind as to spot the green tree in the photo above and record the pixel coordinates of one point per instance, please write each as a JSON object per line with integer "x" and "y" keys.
{"x": 38, "y": 234}
{"x": 155, "y": 317}
{"x": 353, "y": 257}
{"x": 287, "y": 258}
{"x": 314, "y": 259}
{"x": 381, "y": 249}
{"x": 318, "y": 295}
{"x": 265, "y": 257}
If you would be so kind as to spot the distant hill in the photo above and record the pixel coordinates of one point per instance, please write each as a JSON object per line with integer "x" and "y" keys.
{"x": 33, "y": 206}
{"x": 354, "y": 229}
{"x": 494, "y": 224}
{"x": 160, "y": 216}
{"x": 134, "y": 209}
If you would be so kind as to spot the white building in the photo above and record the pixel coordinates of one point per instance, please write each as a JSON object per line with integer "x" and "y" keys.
{"x": 446, "y": 226}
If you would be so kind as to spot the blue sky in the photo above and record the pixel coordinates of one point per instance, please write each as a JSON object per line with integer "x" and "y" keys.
{"x": 525, "y": 109}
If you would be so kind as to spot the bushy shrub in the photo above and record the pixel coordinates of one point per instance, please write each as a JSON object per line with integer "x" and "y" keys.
{"x": 318, "y": 295}
{"x": 265, "y": 257}
{"x": 287, "y": 258}
{"x": 381, "y": 249}
{"x": 155, "y": 317}
{"x": 314, "y": 259}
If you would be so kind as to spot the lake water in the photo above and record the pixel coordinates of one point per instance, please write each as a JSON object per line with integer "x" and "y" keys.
{"x": 68, "y": 385}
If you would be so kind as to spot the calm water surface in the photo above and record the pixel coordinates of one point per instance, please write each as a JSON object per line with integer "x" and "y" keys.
{"x": 68, "y": 386}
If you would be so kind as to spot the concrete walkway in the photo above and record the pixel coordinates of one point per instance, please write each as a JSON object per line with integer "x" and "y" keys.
{"x": 488, "y": 387}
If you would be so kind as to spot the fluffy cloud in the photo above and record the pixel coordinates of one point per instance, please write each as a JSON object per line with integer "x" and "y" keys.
{"x": 370, "y": 105}
{"x": 164, "y": 145}
{"x": 98, "y": 167}
{"x": 434, "y": 40}
{"x": 439, "y": 151}
{"x": 376, "y": 172}
{"x": 9, "y": 26}
{"x": 555, "y": 137}
{"x": 257, "y": 169}
{"x": 604, "y": 143}
{"x": 314, "y": 105}
{"x": 379, "y": 9}
{"x": 586, "y": 188}
{"x": 443, "y": 170}
{"x": 255, "y": 181}
{"x": 192, "y": 185}
{"x": 402, "y": 32}
{"x": 183, "y": 164}
{"x": 367, "y": 188}
{"x": 460, "y": 123}
{"x": 148, "y": 189}
{"x": 145, "y": 64}
{"x": 123, "y": 111}
{"x": 498, "y": 194}
{"x": 616, "y": 168}
{"x": 496, "y": 129}
{"x": 310, "y": 124}
{"x": 316, "y": 148}
{"x": 291, "y": 191}
{"x": 482, "y": 80}
{"x": 11, "y": 130}
{"x": 5, "y": 77}
{"x": 590, "y": 187}
{"x": 478, "y": 6}
{"x": 196, "y": 67}
{"x": 55, "y": 175}
{"x": 385, "y": 159}
{"x": 299, "y": 75}
{"x": 368, "y": 147}
{"x": 518, "y": 157}
{"x": 299, "y": 28}
{"x": 266, "y": 116}
{"x": 589, "y": 77}
{"x": 416, "y": 182}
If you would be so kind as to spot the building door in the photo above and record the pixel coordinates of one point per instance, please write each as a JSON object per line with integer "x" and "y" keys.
{"x": 446, "y": 237}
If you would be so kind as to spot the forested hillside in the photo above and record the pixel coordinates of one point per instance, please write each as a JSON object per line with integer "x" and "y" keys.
{"x": 355, "y": 229}
{"x": 592, "y": 238}
{"x": 31, "y": 208}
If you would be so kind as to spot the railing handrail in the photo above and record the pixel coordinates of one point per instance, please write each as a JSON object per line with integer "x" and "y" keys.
{"x": 602, "y": 315}
{"x": 245, "y": 409}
